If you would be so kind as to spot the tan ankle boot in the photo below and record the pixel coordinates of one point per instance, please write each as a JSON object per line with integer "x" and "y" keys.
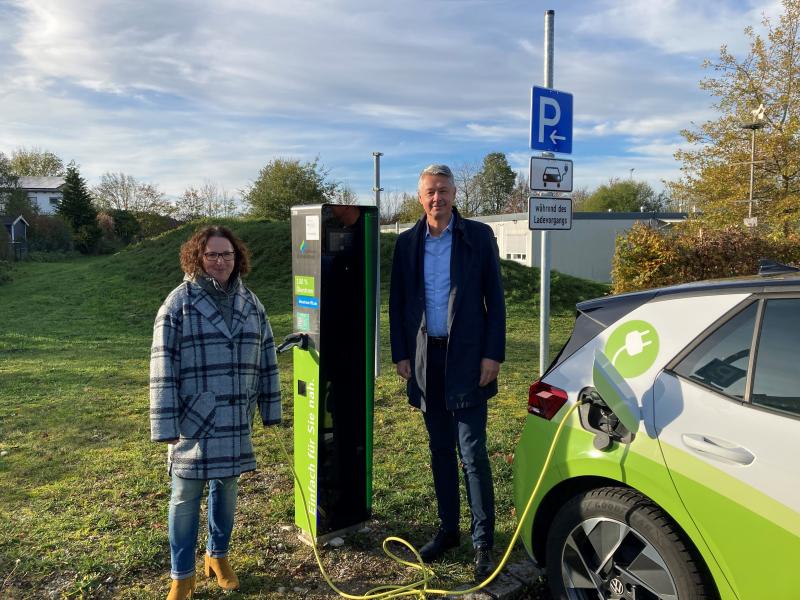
{"x": 226, "y": 578}
{"x": 181, "y": 589}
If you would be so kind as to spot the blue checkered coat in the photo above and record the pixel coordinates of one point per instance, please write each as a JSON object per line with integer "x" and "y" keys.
{"x": 206, "y": 381}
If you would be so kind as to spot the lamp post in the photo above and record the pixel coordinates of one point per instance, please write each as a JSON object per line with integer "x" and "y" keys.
{"x": 756, "y": 123}
{"x": 752, "y": 127}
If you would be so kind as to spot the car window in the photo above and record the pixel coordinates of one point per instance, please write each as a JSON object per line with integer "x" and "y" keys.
{"x": 776, "y": 380}
{"x": 720, "y": 361}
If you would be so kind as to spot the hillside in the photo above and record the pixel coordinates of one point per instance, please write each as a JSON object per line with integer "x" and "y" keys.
{"x": 153, "y": 264}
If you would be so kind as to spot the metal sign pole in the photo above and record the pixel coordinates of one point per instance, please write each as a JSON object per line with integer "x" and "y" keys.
{"x": 378, "y": 189}
{"x": 544, "y": 270}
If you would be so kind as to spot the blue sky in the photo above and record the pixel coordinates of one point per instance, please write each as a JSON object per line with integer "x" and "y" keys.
{"x": 179, "y": 92}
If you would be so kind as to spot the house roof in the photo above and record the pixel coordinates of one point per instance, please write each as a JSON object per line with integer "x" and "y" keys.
{"x": 40, "y": 183}
{"x": 10, "y": 220}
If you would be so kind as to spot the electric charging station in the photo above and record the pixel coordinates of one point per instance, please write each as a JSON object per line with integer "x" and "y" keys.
{"x": 334, "y": 254}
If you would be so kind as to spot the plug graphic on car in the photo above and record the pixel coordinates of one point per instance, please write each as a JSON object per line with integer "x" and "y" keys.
{"x": 633, "y": 348}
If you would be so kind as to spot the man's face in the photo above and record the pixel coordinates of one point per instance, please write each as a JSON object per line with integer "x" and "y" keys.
{"x": 436, "y": 194}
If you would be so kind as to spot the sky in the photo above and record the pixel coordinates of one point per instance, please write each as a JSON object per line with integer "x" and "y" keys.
{"x": 180, "y": 92}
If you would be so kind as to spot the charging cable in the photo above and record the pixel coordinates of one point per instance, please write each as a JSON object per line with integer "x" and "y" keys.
{"x": 634, "y": 344}
{"x": 420, "y": 588}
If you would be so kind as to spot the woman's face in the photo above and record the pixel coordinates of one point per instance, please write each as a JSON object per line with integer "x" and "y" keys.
{"x": 219, "y": 259}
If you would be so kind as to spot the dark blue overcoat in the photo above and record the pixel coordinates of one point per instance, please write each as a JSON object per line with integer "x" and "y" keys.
{"x": 476, "y": 318}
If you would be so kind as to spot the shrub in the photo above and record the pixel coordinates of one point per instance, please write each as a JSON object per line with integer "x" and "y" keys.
{"x": 126, "y": 227}
{"x": 49, "y": 234}
{"x": 647, "y": 258}
{"x": 152, "y": 224}
{"x": 5, "y": 248}
{"x": 5, "y": 271}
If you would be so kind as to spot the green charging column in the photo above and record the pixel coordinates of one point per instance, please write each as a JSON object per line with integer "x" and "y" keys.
{"x": 334, "y": 303}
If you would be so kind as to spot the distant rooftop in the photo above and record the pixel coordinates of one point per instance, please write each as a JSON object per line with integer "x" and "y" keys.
{"x": 40, "y": 183}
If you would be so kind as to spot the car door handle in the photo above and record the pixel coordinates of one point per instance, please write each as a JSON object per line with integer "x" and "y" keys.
{"x": 717, "y": 447}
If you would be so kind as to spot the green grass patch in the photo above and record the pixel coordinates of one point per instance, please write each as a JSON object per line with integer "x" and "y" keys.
{"x": 84, "y": 491}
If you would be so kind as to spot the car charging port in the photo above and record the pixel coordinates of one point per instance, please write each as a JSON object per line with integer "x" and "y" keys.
{"x": 597, "y": 418}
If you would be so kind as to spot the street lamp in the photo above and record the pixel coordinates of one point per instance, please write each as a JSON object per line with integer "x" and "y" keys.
{"x": 757, "y": 123}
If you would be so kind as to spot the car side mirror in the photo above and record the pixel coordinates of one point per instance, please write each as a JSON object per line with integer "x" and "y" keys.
{"x": 612, "y": 388}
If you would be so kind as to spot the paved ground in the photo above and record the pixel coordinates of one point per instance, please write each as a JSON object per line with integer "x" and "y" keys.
{"x": 516, "y": 581}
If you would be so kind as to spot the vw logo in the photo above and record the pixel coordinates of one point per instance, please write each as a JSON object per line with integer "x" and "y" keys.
{"x": 616, "y": 587}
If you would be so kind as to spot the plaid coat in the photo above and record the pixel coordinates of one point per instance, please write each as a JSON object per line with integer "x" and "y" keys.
{"x": 207, "y": 380}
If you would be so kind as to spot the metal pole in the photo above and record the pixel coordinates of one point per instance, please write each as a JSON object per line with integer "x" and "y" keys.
{"x": 544, "y": 270}
{"x": 378, "y": 189}
{"x": 752, "y": 169}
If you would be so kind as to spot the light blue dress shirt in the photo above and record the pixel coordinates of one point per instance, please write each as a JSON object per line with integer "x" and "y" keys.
{"x": 437, "y": 279}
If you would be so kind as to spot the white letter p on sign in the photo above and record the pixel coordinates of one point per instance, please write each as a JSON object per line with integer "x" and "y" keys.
{"x": 544, "y": 102}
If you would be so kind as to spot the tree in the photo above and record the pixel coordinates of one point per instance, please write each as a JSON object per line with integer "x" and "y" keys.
{"x": 78, "y": 211}
{"x": 36, "y": 163}
{"x": 409, "y": 210}
{"x": 622, "y": 195}
{"x": 16, "y": 203}
{"x": 759, "y": 89}
{"x": 346, "y": 195}
{"x": 468, "y": 185}
{"x": 206, "y": 200}
{"x": 518, "y": 198}
{"x": 399, "y": 207}
{"x": 8, "y": 180}
{"x": 119, "y": 191}
{"x": 283, "y": 183}
{"x": 579, "y": 198}
{"x": 190, "y": 205}
{"x": 496, "y": 180}
{"x": 126, "y": 227}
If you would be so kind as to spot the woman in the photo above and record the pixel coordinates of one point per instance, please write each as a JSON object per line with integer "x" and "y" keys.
{"x": 211, "y": 365}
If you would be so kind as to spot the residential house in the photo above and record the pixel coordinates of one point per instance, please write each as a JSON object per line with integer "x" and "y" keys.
{"x": 43, "y": 192}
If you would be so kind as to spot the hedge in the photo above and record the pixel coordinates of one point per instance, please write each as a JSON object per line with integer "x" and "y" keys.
{"x": 646, "y": 257}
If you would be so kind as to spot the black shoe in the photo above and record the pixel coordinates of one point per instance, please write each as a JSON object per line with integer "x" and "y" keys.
{"x": 440, "y": 543}
{"x": 484, "y": 563}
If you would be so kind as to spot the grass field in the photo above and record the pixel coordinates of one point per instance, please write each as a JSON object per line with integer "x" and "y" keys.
{"x": 84, "y": 492}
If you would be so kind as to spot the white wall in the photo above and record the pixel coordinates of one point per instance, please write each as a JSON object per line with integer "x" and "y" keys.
{"x": 42, "y": 200}
{"x": 585, "y": 251}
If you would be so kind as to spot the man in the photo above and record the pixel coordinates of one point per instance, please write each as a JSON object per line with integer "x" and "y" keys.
{"x": 447, "y": 322}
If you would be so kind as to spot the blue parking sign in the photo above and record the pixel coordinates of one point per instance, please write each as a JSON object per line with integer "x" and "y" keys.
{"x": 551, "y": 120}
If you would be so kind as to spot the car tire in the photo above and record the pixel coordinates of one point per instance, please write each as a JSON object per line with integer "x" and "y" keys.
{"x": 615, "y": 543}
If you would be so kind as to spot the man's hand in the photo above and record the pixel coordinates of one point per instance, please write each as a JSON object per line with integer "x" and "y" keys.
{"x": 489, "y": 370}
{"x": 404, "y": 369}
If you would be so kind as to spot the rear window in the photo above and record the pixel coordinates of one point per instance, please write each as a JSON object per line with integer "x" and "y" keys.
{"x": 776, "y": 381}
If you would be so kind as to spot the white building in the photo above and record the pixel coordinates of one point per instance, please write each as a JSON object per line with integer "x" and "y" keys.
{"x": 43, "y": 192}
{"x": 585, "y": 251}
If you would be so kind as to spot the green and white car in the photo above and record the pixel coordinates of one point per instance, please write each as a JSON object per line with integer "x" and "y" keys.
{"x": 701, "y": 497}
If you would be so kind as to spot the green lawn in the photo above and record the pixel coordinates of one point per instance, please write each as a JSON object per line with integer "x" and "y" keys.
{"x": 84, "y": 492}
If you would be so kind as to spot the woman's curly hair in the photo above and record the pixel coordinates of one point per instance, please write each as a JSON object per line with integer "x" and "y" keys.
{"x": 192, "y": 250}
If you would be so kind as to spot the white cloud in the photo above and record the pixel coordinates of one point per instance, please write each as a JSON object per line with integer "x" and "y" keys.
{"x": 174, "y": 92}
{"x": 678, "y": 26}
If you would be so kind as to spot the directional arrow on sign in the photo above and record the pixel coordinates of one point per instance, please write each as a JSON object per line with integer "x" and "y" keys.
{"x": 554, "y": 137}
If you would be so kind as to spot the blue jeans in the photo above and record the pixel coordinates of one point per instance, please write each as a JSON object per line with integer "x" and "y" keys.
{"x": 184, "y": 520}
{"x": 464, "y": 429}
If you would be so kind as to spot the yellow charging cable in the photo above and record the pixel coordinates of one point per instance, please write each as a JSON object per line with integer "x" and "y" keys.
{"x": 420, "y": 587}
